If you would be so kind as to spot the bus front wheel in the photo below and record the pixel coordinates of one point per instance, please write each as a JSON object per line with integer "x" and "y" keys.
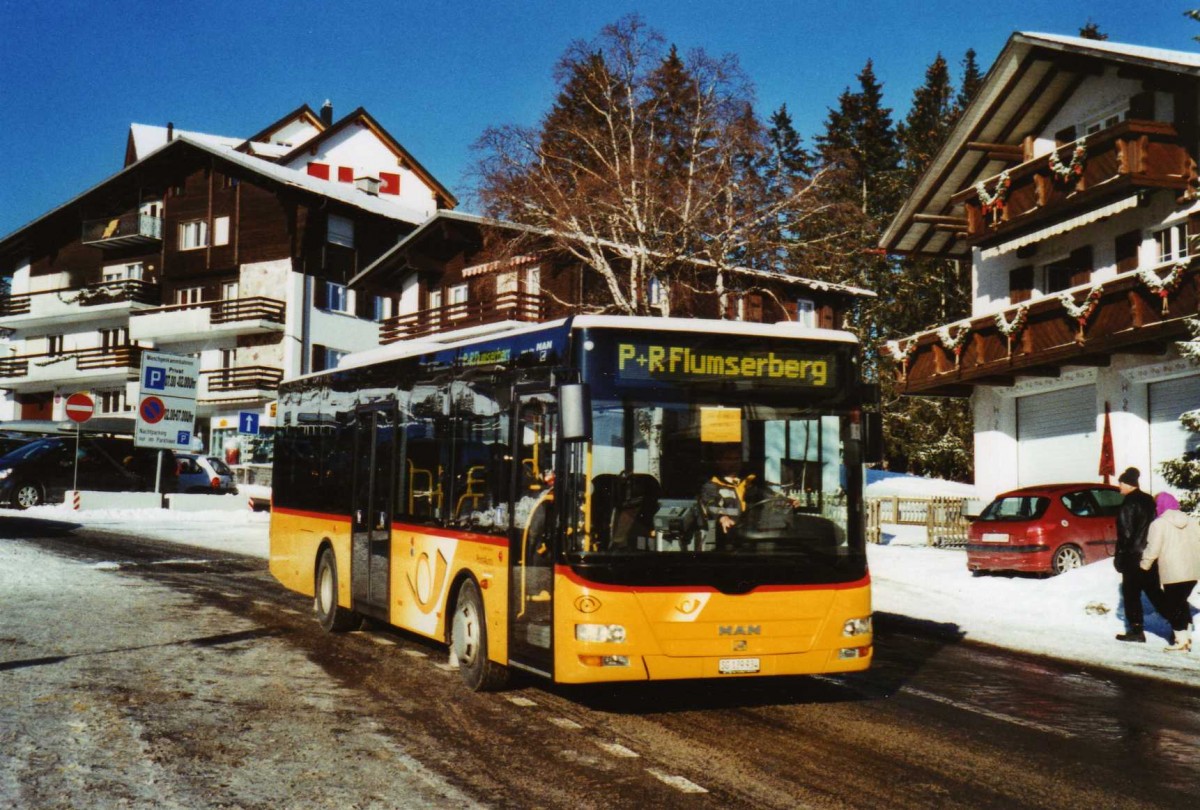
{"x": 332, "y": 616}
{"x": 468, "y": 641}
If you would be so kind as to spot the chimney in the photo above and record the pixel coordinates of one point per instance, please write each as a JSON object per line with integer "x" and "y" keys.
{"x": 170, "y": 131}
{"x": 327, "y": 113}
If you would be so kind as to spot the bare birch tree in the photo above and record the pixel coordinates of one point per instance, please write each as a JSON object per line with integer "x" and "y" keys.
{"x": 649, "y": 165}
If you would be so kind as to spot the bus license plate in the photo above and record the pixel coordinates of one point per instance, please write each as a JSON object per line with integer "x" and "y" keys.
{"x": 732, "y": 666}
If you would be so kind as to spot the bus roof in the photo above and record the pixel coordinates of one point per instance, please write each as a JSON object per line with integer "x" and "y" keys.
{"x": 477, "y": 334}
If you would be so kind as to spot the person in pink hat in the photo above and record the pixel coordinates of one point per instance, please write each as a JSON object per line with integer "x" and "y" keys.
{"x": 1174, "y": 543}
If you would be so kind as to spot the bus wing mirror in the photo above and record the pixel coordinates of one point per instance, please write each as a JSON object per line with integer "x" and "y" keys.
{"x": 575, "y": 412}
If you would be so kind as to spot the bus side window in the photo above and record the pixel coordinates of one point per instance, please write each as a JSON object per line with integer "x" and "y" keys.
{"x": 477, "y": 498}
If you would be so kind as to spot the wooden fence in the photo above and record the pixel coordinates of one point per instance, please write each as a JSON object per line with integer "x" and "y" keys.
{"x": 944, "y": 518}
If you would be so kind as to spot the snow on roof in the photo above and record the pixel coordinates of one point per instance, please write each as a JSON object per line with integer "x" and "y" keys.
{"x": 342, "y": 192}
{"x": 1143, "y": 53}
{"x": 147, "y": 138}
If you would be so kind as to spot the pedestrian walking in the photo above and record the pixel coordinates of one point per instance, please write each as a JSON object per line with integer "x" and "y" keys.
{"x": 1133, "y": 523}
{"x": 1173, "y": 542}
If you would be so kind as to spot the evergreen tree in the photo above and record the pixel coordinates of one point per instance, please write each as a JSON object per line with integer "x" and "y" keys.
{"x": 968, "y": 88}
{"x": 1092, "y": 31}
{"x": 1184, "y": 472}
{"x": 927, "y": 435}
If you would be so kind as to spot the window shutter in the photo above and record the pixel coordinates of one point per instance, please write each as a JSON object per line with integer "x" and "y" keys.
{"x": 320, "y": 293}
{"x": 319, "y": 356}
{"x": 363, "y": 304}
{"x": 1081, "y": 266}
{"x": 1127, "y": 245}
{"x": 319, "y": 170}
{"x": 731, "y": 306}
{"x": 345, "y": 174}
{"x": 792, "y": 309}
{"x": 754, "y": 308}
{"x": 825, "y": 318}
{"x": 389, "y": 183}
{"x": 1020, "y": 284}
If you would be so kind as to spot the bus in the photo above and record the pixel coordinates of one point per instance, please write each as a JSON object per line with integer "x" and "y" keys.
{"x": 595, "y": 499}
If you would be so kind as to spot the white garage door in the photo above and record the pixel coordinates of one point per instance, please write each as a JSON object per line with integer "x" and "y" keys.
{"x": 1168, "y": 438}
{"x": 1057, "y": 440}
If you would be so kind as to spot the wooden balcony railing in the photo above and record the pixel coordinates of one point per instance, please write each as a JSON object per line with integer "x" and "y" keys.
{"x": 85, "y": 360}
{"x": 1124, "y": 158}
{"x": 247, "y": 378}
{"x": 512, "y": 306}
{"x": 232, "y": 310}
{"x": 1134, "y": 313}
{"x": 104, "y": 292}
{"x": 127, "y": 229}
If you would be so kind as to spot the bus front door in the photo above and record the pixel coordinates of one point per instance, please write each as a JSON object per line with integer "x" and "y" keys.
{"x": 371, "y": 513}
{"x": 531, "y": 539}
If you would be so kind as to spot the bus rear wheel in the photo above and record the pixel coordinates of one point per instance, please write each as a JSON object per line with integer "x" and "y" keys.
{"x": 332, "y": 616}
{"x": 468, "y": 642}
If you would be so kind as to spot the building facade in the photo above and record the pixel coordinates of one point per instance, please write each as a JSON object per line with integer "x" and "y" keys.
{"x": 1070, "y": 186}
{"x": 233, "y": 250}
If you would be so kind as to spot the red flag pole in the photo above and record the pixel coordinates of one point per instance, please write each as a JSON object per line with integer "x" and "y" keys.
{"x": 1108, "y": 464}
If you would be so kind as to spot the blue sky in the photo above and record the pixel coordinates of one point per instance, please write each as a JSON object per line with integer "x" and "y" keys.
{"x": 74, "y": 75}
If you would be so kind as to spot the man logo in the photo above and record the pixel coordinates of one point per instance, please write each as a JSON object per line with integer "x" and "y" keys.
{"x": 740, "y": 645}
{"x": 740, "y": 630}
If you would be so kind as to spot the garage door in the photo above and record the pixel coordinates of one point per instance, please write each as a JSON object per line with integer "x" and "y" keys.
{"x": 1168, "y": 438}
{"x": 1057, "y": 440}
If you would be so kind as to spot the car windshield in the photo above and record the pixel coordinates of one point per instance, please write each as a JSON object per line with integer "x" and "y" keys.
{"x": 1016, "y": 507}
{"x": 687, "y": 478}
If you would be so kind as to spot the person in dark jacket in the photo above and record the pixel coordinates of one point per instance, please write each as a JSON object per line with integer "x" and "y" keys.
{"x": 1133, "y": 522}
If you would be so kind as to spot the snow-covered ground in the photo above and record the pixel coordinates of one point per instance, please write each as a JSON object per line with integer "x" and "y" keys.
{"x": 1073, "y": 617}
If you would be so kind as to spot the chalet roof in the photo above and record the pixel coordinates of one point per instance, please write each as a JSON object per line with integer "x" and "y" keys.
{"x": 147, "y": 137}
{"x": 259, "y": 139}
{"x": 361, "y": 116}
{"x": 465, "y": 227}
{"x": 345, "y": 193}
{"x": 1028, "y": 83}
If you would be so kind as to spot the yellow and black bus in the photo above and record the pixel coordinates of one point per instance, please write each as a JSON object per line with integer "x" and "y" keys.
{"x": 595, "y": 499}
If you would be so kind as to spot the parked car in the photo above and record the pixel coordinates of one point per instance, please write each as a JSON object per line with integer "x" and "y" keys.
{"x": 200, "y": 473}
{"x": 11, "y": 442}
{"x": 41, "y": 471}
{"x": 1045, "y": 529}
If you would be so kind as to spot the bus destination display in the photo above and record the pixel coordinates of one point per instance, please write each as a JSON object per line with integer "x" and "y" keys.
{"x": 665, "y": 362}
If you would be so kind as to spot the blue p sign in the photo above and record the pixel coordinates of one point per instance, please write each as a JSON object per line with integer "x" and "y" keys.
{"x": 156, "y": 378}
{"x": 183, "y": 438}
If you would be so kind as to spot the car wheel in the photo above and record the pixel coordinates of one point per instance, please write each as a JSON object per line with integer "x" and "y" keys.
{"x": 468, "y": 643}
{"x": 27, "y": 495}
{"x": 1066, "y": 558}
{"x": 332, "y": 616}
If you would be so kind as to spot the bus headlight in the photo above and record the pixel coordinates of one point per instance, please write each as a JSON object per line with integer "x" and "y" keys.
{"x": 857, "y": 627}
{"x": 611, "y": 633}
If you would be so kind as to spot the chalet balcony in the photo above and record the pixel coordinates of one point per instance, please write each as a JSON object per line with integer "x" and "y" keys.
{"x": 207, "y": 320}
{"x": 81, "y": 367}
{"x": 66, "y": 306}
{"x": 512, "y": 306}
{"x": 1120, "y": 160}
{"x": 122, "y": 231}
{"x": 239, "y": 383}
{"x": 1133, "y": 313}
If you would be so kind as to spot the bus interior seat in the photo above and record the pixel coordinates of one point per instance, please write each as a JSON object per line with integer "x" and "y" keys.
{"x": 623, "y": 508}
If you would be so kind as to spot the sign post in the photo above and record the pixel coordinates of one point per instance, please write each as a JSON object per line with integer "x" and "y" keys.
{"x": 166, "y": 411}
{"x": 80, "y": 408}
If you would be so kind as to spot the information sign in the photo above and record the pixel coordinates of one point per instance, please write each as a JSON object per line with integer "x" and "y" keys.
{"x": 166, "y": 412}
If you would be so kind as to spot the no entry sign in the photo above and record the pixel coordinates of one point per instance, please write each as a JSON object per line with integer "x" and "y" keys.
{"x": 80, "y": 407}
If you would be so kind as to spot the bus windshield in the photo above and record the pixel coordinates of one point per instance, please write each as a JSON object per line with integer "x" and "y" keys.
{"x": 753, "y": 482}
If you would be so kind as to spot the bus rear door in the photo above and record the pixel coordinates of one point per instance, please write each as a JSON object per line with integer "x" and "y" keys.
{"x": 370, "y": 558}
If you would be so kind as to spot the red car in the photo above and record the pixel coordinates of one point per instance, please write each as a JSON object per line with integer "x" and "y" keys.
{"x": 1045, "y": 529}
